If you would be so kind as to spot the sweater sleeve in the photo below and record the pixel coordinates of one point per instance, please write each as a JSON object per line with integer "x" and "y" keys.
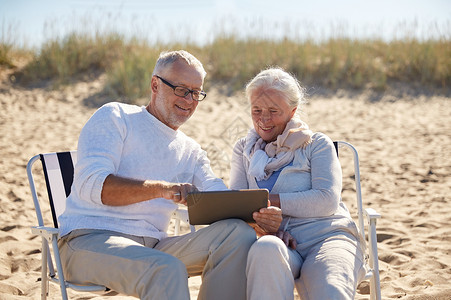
{"x": 238, "y": 174}
{"x": 204, "y": 178}
{"x": 99, "y": 151}
{"x": 323, "y": 198}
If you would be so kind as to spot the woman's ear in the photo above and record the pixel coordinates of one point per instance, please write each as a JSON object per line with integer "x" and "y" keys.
{"x": 293, "y": 111}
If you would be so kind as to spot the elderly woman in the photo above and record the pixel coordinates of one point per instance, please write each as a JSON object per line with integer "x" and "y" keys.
{"x": 318, "y": 245}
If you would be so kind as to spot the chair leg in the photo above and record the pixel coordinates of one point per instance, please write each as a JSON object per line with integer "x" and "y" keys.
{"x": 44, "y": 280}
{"x": 374, "y": 263}
{"x": 59, "y": 269}
{"x": 177, "y": 227}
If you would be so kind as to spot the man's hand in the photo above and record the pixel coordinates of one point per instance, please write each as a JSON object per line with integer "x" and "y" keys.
{"x": 177, "y": 192}
{"x": 287, "y": 239}
{"x": 268, "y": 219}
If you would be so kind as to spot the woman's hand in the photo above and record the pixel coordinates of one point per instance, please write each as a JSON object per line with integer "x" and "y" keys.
{"x": 287, "y": 239}
{"x": 268, "y": 219}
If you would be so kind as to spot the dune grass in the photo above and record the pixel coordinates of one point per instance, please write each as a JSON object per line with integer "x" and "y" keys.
{"x": 5, "y": 55}
{"x": 334, "y": 63}
{"x": 7, "y": 46}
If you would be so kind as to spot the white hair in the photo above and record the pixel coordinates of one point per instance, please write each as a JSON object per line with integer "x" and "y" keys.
{"x": 279, "y": 80}
{"x": 168, "y": 58}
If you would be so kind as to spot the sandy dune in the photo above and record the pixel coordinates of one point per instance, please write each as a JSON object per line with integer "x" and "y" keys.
{"x": 404, "y": 146}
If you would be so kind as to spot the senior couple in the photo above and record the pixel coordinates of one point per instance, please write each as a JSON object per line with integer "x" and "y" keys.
{"x": 135, "y": 167}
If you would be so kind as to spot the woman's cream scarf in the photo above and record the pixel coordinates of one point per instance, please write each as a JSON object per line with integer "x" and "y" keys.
{"x": 265, "y": 158}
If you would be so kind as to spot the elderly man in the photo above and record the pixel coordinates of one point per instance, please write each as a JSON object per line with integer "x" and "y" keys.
{"x": 134, "y": 167}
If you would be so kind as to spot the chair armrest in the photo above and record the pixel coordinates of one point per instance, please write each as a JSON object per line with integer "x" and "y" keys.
{"x": 182, "y": 215}
{"x": 49, "y": 233}
{"x": 372, "y": 214}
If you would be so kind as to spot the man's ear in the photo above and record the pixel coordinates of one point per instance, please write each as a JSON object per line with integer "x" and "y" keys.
{"x": 154, "y": 84}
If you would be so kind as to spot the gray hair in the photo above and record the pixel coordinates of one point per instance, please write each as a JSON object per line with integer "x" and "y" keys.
{"x": 279, "y": 80}
{"x": 168, "y": 58}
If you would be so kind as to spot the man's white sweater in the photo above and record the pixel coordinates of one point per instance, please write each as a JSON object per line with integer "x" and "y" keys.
{"x": 127, "y": 141}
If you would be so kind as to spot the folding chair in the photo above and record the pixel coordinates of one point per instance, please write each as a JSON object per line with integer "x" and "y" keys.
{"x": 58, "y": 169}
{"x": 371, "y": 217}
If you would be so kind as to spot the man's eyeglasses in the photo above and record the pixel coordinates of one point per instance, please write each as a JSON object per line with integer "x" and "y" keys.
{"x": 183, "y": 91}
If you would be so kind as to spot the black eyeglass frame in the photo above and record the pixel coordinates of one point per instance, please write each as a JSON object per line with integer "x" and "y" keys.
{"x": 187, "y": 90}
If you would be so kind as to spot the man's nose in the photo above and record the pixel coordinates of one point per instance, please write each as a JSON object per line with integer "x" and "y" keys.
{"x": 189, "y": 97}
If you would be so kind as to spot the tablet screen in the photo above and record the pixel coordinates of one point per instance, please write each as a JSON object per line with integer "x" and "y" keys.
{"x": 207, "y": 207}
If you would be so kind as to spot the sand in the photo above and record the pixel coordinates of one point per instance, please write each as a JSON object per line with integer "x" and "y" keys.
{"x": 404, "y": 145}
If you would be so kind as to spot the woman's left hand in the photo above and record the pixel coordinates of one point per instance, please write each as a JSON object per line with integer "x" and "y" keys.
{"x": 268, "y": 219}
{"x": 287, "y": 239}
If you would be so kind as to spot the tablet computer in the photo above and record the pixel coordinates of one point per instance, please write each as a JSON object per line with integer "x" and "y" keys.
{"x": 207, "y": 207}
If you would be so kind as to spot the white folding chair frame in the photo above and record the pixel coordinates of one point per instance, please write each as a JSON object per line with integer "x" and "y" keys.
{"x": 49, "y": 235}
{"x": 371, "y": 217}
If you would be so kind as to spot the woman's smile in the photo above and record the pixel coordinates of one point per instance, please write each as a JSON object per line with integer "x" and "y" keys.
{"x": 265, "y": 128}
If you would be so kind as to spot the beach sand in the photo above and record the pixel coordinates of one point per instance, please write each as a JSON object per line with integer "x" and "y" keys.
{"x": 404, "y": 145}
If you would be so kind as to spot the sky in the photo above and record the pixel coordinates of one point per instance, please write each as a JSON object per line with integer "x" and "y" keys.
{"x": 34, "y": 21}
